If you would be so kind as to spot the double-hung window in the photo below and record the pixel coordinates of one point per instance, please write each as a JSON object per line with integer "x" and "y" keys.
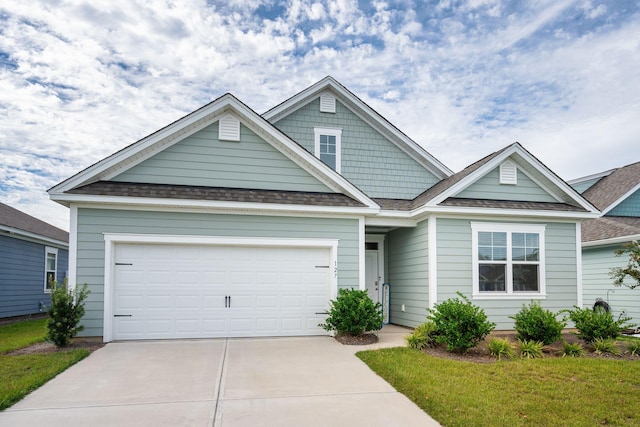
{"x": 50, "y": 267}
{"x": 328, "y": 147}
{"x": 508, "y": 260}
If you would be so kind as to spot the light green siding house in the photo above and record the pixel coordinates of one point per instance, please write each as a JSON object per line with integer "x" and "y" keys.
{"x": 616, "y": 193}
{"x": 228, "y": 223}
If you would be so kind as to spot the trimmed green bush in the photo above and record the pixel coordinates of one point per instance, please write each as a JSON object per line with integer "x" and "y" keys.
{"x": 423, "y": 336}
{"x": 501, "y": 347}
{"x": 596, "y": 324}
{"x": 536, "y": 323}
{"x": 530, "y": 349}
{"x": 67, "y": 308}
{"x": 460, "y": 324}
{"x": 353, "y": 313}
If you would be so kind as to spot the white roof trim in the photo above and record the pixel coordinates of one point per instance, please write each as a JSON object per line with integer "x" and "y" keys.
{"x": 590, "y": 177}
{"x": 621, "y": 199}
{"x": 611, "y": 241}
{"x": 470, "y": 211}
{"x": 175, "y": 132}
{"x": 366, "y": 113}
{"x": 496, "y": 161}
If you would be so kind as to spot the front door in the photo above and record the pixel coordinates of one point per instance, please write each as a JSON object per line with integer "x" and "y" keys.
{"x": 373, "y": 281}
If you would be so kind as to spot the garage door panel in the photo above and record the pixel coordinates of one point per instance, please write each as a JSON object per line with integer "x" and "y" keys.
{"x": 174, "y": 291}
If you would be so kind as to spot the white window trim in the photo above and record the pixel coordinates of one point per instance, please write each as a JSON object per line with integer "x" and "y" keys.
{"x": 477, "y": 227}
{"x": 49, "y": 250}
{"x": 331, "y": 132}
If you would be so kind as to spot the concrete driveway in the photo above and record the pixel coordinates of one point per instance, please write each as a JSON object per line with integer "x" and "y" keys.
{"x": 311, "y": 381}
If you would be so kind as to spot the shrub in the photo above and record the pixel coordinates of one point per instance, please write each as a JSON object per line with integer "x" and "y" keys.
{"x": 605, "y": 345}
{"x": 535, "y": 323}
{"x": 353, "y": 313}
{"x": 499, "y": 347}
{"x": 530, "y": 349}
{"x": 572, "y": 350}
{"x": 67, "y": 308}
{"x": 598, "y": 324}
{"x": 460, "y": 324}
{"x": 423, "y": 336}
{"x": 634, "y": 347}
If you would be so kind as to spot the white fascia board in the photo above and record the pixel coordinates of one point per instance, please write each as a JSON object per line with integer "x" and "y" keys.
{"x": 621, "y": 199}
{"x": 590, "y": 177}
{"x": 520, "y": 213}
{"x": 17, "y": 233}
{"x": 121, "y": 201}
{"x": 370, "y": 116}
{"x": 378, "y": 221}
{"x": 611, "y": 241}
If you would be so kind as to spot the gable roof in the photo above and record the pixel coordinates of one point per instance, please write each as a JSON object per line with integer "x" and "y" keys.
{"x": 610, "y": 230}
{"x": 366, "y": 113}
{"x": 19, "y": 223}
{"x": 614, "y": 188}
{"x": 444, "y": 193}
{"x": 145, "y": 148}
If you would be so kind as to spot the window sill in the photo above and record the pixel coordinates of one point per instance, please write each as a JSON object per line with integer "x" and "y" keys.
{"x": 518, "y": 296}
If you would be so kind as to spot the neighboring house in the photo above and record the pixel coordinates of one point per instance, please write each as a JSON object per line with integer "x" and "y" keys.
{"x": 32, "y": 253}
{"x": 230, "y": 223}
{"x": 616, "y": 193}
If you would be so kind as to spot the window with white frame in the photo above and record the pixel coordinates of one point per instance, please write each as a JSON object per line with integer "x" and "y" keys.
{"x": 50, "y": 267}
{"x": 508, "y": 259}
{"x": 328, "y": 146}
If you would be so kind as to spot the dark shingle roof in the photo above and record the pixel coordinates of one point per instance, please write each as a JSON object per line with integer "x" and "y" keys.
{"x": 510, "y": 204}
{"x": 609, "y": 227}
{"x": 185, "y": 192}
{"x": 610, "y": 188}
{"x": 14, "y": 218}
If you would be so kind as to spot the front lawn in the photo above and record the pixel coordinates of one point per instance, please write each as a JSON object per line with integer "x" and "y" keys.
{"x": 21, "y": 374}
{"x": 552, "y": 391}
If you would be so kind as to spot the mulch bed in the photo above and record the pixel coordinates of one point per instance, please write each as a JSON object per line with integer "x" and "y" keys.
{"x": 47, "y": 347}
{"x": 364, "y": 339}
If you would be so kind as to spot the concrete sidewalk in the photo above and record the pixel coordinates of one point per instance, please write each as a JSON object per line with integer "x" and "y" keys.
{"x": 311, "y": 381}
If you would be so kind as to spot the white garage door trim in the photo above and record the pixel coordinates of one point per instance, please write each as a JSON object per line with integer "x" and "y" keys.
{"x": 111, "y": 239}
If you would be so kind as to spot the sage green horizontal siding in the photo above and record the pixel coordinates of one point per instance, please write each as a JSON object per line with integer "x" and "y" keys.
{"x": 596, "y": 265}
{"x": 583, "y": 186}
{"x": 369, "y": 160}
{"x": 489, "y": 187}
{"x": 203, "y": 160}
{"x": 629, "y": 207}
{"x": 455, "y": 269}
{"x": 408, "y": 273}
{"x": 92, "y": 223}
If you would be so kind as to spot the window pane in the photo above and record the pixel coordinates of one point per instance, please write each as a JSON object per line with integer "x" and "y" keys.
{"x": 51, "y": 261}
{"x": 518, "y": 254}
{"x": 492, "y": 277}
{"x": 485, "y": 253}
{"x": 517, "y": 239}
{"x": 532, "y": 240}
{"x": 499, "y": 253}
{"x": 484, "y": 238}
{"x": 329, "y": 160}
{"x": 499, "y": 239}
{"x": 533, "y": 254}
{"x": 525, "y": 278}
{"x": 492, "y": 246}
{"x": 525, "y": 246}
{"x": 50, "y": 279}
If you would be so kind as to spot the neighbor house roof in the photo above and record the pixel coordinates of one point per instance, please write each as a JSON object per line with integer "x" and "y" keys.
{"x": 615, "y": 187}
{"x": 610, "y": 229}
{"x": 17, "y": 222}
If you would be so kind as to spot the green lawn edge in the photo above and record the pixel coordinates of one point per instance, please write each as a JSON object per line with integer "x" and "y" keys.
{"x": 15, "y": 336}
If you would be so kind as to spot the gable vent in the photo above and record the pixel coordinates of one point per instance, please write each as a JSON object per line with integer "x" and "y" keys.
{"x": 327, "y": 103}
{"x": 229, "y": 128}
{"x": 508, "y": 173}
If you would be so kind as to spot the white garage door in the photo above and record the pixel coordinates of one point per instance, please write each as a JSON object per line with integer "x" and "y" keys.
{"x": 179, "y": 291}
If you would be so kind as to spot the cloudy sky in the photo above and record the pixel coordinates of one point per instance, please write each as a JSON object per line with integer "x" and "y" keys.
{"x": 80, "y": 80}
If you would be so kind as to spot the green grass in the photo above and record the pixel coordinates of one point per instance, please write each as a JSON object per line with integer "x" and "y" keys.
{"x": 22, "y": 334}
{"x": 553, "y": 391}
{"x": 22, "y": 374}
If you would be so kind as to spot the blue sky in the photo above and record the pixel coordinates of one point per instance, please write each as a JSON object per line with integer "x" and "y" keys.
{"x": 80, "y": 80}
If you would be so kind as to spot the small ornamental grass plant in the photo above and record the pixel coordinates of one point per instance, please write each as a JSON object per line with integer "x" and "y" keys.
{"x": 634, "y": 347}
{"x": 460, "y": 324}
{"x": 423, "y": 336}
{"x": 596, "y": 324}
{"x": 572, "y": 350}
{"x": 67, "y": 308}
{"x": 538, "y": 324}
{"x": 353, "y": 313}
{"x": 605, "y": 346}
{"x": 501, "y": 347}
{"x": 530, "y": 349}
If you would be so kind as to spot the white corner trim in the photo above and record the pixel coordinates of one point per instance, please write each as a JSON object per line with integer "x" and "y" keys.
{"x": 579, "y": 263}
{"x": 111, "y": 239}
{"x": 73, "y": 246}
{"x": 432, "y": 238}
{"x": 362, "y": 283}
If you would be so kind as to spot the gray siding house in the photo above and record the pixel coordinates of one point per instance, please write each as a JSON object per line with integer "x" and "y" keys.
{"x": 230, "y": 223}
{"x": 32, "y": 252}
{"x": 616, "y": 193}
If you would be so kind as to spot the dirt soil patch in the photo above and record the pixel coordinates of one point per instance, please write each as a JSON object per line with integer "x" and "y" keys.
{"x": 364, "y": 339}
{"x": 480, "y": 353}
{"x": 90, "y": 344}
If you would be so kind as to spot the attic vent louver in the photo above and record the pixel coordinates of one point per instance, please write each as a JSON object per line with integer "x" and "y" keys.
{"x": 508, "y": 173}
{"x": 229, "y": 128}
{"x": 327, "y": 103}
